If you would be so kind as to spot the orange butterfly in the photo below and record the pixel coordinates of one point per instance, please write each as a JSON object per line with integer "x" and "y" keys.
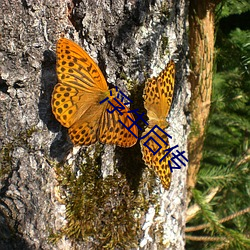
{"x": 76, "y": 100}
{"x": 157, "y": 94}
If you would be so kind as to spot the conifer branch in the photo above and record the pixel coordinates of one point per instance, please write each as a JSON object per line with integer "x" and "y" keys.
{"x": 244, "y": 160}
{"x": 230, "y": 217}
{"x": 205, "y": 238}
{"x": 193, "y": 210}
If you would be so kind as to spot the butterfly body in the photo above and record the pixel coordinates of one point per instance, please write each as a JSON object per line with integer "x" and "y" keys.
{"x": 158, "y": 93}
{"x": 77, "y": 96}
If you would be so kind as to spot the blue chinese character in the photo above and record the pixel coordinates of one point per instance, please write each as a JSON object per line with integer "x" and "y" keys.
{"x": 122, "y": 97}
{"x": 116, "y": 107}
{"x": 119, "y": 95}
{"x": 151, "y": 138}
{"x": 110, "y": 94}
{"x": 168, "y": 150}
{"x": 177, "y": 157}
{"x": 134, "y": 123}
{"x": 104, "y": 100}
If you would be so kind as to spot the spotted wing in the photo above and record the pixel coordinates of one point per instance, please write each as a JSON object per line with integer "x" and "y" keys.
{"x": 158, "y": 93}
{"x": 153, "y": 160}
{"x": 112, "y": 131}
{"x": 80, "y": 83}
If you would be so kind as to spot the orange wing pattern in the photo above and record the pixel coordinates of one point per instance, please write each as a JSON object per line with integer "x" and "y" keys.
{"x": 158, "y": 93}
{"x": 76, "y": 100}
{"x": 112, "y": 131}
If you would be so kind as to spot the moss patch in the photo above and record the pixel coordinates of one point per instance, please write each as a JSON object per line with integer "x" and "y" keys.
{"x": 19, "y": 140}
{"x": 103, "y": 212}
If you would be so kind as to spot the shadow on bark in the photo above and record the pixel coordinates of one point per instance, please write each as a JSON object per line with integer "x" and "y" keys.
{"x": 61, "y": 145}
{"x": 130, "y": 159}
{"x": 9, "y": 239}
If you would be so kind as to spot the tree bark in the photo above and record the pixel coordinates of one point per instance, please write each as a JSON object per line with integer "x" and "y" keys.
{"x": 201, "y": 41}
{"x": 41, "y": 171}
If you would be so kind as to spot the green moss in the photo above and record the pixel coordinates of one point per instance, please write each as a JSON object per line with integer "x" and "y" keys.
{"x": 164, "y": 45}
{"x": 5, "y": 160}
{"x": 164, "y": 10}
{"x": 19, "y": 140}
{"x": 28, "y": 133}
{"x": 130, "y": 83}
{"x": 105, "y": 212}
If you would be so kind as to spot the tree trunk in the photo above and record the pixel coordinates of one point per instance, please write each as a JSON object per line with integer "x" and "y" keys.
{"x": 54, "y": 196}
{"x": 201, "y": 40}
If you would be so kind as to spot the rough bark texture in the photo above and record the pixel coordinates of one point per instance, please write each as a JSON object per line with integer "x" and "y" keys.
{"x": 123, "y": 36}
{"x": 201, "y": 40}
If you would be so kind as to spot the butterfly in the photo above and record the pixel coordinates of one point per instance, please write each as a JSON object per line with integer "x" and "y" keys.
{"x": 157, "y": 95}
{"x": 76, "y": 100}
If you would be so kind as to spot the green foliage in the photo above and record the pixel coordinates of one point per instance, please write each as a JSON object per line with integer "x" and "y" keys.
{"x": 207, "y": 211}
{"x": 230, "y": 7}
{"x": 226, "y": 157}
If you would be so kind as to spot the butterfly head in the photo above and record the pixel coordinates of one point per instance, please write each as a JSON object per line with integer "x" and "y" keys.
{"x": 111, "y": 94}
{"x": 162, "y": 123}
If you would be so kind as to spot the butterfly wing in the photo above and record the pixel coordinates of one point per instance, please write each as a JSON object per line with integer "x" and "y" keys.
{"x": 113, "y": 132}
{"x": 85, "y": 130}
{"x": 158, "y": 93}
{"x": 80, "y": 83}
{"x": 153, "y": 160}
{"x": 75, "y": 68}
{"x": 69, "y": 104}
{"x": 75, "y": 99}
